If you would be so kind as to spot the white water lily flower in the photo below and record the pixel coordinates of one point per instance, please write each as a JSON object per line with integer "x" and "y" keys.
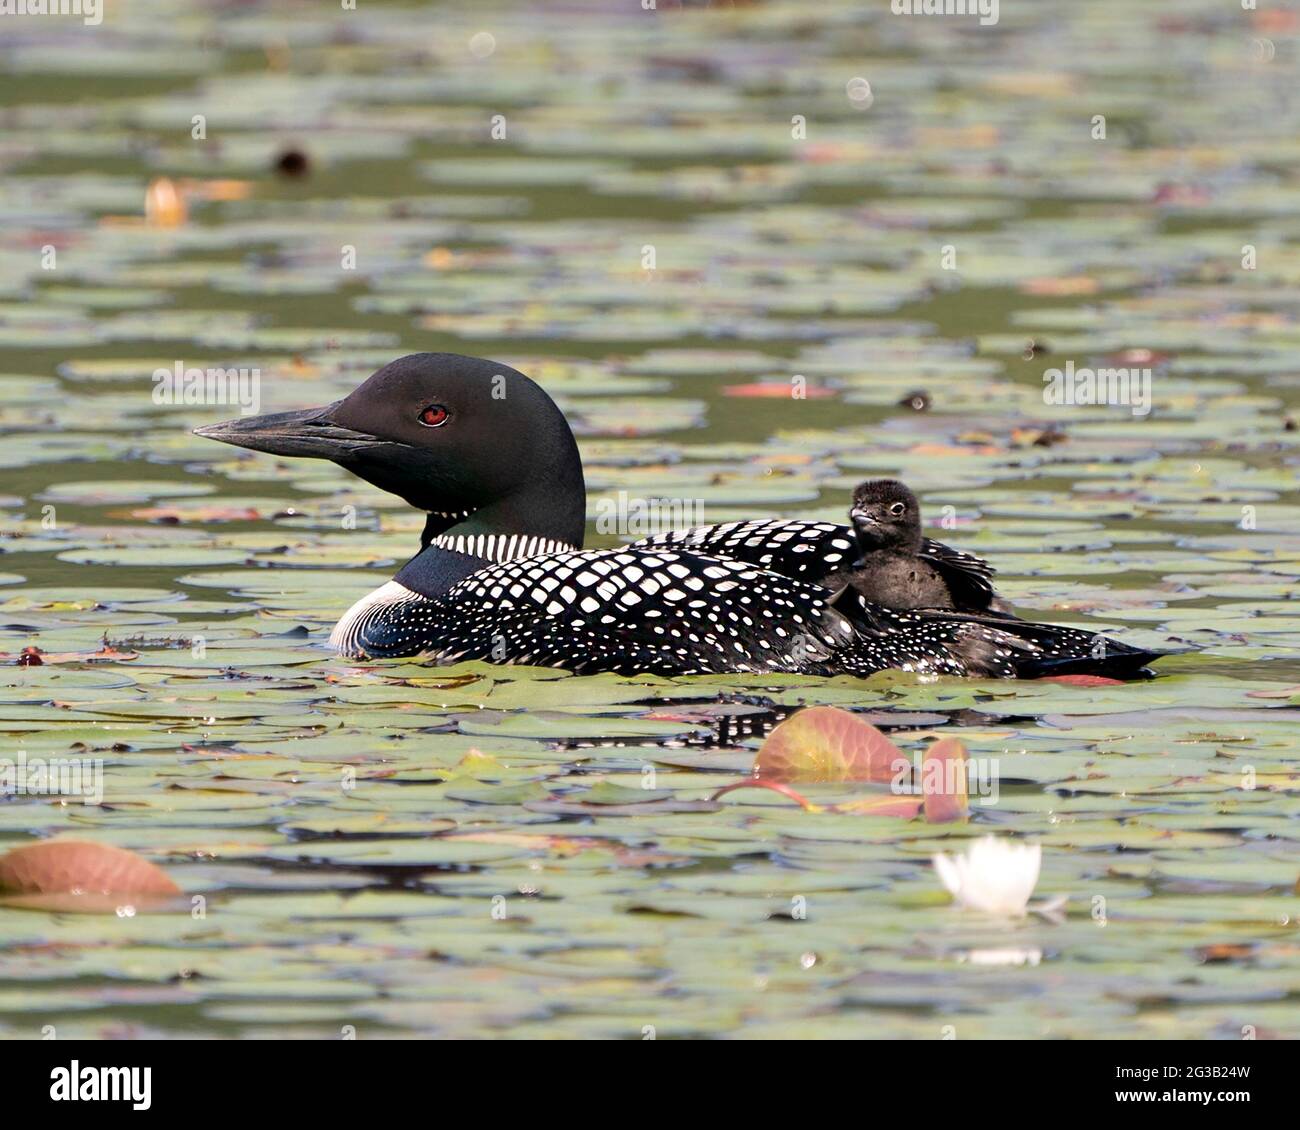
{"x": 995, "y": 876}
{"x": 1012, "y": 956}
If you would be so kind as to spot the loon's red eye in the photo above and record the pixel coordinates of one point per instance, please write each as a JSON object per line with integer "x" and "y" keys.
{"x": 434, "y": 416}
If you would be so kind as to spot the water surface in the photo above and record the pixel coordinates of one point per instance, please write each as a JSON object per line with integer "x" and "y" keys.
{"x": 390, "y": 849}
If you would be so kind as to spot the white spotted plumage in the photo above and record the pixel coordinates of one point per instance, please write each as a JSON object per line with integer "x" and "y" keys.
{"x": 802, "y": 550}
{"x": 628, "y": 610}
{"x": 665, "y": 608}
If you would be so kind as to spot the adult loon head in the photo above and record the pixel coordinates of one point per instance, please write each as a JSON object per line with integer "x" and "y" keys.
{"x": 475, "y": 444}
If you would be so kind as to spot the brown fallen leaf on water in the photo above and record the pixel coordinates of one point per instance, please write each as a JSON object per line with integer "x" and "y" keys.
{"x": 222, "y": 188}
{"x": 1036, "y": 437}
{"x": 166, "y": 200}
{"x": 1138, "y": 357}
{"x": 980, "y": 135}
{"x": 1275, "y": 20}
{"x": 943, "y": 782}
{"x": 34, "y": 657}
{"x": 1280, "y": 692}
{"x": 1225, "y": 951}
{"x": 945, "y": 449}
{"x": 78, "y": 875}
{"x": 1184, "y": 195}
{"x": 196, "y": 514}
{"x": 1064, "y": 285}
{"x": 164, "y": 205}
{"x": 778, "y": 390}
{"x": 826, "y": 744}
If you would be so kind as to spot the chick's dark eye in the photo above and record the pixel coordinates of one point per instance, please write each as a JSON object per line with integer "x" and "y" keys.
{"x": 897, "y": 508}
{"x": 434, "y": 416}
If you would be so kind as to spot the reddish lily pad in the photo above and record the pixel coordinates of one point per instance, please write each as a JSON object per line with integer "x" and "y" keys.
{"x": 777, "y": 391}
{"x": 825, "y": 743}
{"x": 1082, "y": 680}
{"x": 74, "y": 875}
{"x": 943, "y": 779}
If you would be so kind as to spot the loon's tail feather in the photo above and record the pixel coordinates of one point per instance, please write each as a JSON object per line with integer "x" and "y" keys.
{"x": 1033, "y": 650}
{"x": 988, "y": 644}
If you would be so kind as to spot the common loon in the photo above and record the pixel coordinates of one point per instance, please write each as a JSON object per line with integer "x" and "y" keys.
{"x": 501, "y": 575}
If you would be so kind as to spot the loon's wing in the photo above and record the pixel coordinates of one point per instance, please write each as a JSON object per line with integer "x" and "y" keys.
{"x": 989, "y": 644}
{"x": 804, "y": 551}
{"x": 969, "y": 578}
{"x": 628, "y": 610}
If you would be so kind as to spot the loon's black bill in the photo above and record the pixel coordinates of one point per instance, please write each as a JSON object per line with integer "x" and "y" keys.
{"x": 310, "y": 432}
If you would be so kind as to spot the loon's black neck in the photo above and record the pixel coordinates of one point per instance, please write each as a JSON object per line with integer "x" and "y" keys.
{"x": 433, "y": 570}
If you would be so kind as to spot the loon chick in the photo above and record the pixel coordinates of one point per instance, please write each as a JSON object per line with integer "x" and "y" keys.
{"x": 830, "y": 554}
{"x": 898, "y": 567}
{"x": 501, "y": 575}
